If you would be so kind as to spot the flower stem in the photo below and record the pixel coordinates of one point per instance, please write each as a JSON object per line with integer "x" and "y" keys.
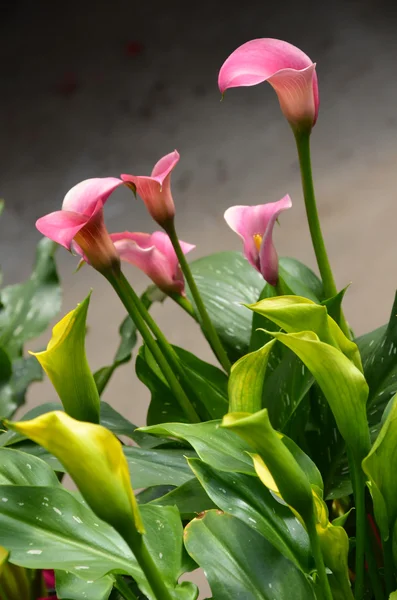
{"x": 361, "y": 523}
{"x": 207, "y": 324}
{"x": 318, "y": 558}
{"x": 302, "y": 139}
{"x": 390, "y": 578}
{"x": 164, "y": 355}
{"x": 155, "y": 579}
{"x": 185, "y": 304}
{"x": 122, "y": 587}
{"x": 373, "y": 570}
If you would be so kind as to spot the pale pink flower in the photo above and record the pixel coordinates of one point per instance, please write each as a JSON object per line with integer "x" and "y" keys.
{"x": 155, "y": 256}
{"x": 254, "y": 224}
{"x": 288, "y": 70}
{"x": 155, "y": 190}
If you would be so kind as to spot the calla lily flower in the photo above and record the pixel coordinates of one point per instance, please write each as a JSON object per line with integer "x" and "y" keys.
{"x": 254, "y": 224}
{"x": 289, "y": 71}
{"x": 80, "y": 223}
{"x": 155, "y": 190}
{"x": 155, "y": 256}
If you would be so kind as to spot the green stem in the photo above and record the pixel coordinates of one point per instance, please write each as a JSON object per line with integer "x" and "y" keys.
{"x": 3, "y": 594}
{"x": 162, "y": 355}
{"x": 318, "y": 558}
{"x": 373, "y": 570}
{"x": 303, "y": 146}
{"x": 207, "y": 324}
{"x": 185, "y": 304}
{"x": 156, "y": 581}
{"x": 122, "y": 587}
{"x": 390, "y": 578}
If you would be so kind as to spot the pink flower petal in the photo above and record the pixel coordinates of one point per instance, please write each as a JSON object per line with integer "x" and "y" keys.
{"x": 155, "y": 191}
{"x": 254, "y": 224}
{"x": 61, "y": 226}
{"x": 84, "y": 197}
{"x": 289, "y": 70}
{"x": 49, "y": 578}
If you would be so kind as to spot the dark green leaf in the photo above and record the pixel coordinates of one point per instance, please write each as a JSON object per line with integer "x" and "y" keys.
{"x": 220, "y": 448}
{"x": 17, "y": 469}
{"x": 157, "y": 467}
{"x": 68, "y": 587}
{"x": 226, "y": 280}
{"x": 300, "y": 279}
{"x": 246, "y": 498}
{"x": 240, "y": 563}
{"x": 28, "y": 308}
{"x": 190, "y": 498}
{"x": 12, "y": 392}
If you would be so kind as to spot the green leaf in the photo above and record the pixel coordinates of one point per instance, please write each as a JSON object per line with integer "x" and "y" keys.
{"x": 15, "y": 582}
{"x": 379, "y": 466}
{"x": 246, "y": 380}
{"x": 12, "y": 391}
{"x": 190, "y": 499}
{"x": 123, "y": 355}
{"x": 334, "y": 305}
{"x": 240, "y": 563}
{"x": 17, "y": 469}
{"x": 226, "y": 281}
{"x": 300, "y": 279}
{"x": 378, "y": 352}
{"x": 157, "y": 467}
{"x": 65, "y": 363}
{"x": 28, "y": 308}
{"x": 47, "y": 528}
{"x": 207, "y": 388}
{"x": 341, "y": 382}
{"x": 393, "y": 596}
{"x": 69, "y": 586}
{"x": 220, "y": 448}
{"x": 246, "y": 498}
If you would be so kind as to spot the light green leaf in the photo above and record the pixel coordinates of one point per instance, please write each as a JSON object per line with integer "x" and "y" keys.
{"x": 342, "y": 384}
{"x": 379, "y": 466}
{"x": 17, "y": 469}
{"x": 246, "y": 498}
{"x": 68, "y": 587}
{"x": 220, "y": 448}
{"x": 65, "y": 363}
{"x": 240, "y": 563}
{"x": 28, "y": 308}
{"x": 226, "y": 281}
{"x": 393, "y": 596}
{"x": 246, "y": 380}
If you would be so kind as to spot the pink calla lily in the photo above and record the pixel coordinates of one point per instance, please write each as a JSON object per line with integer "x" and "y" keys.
{"x": 155, "y": 256}
{"x": 289, "y": 71}
{"x": 155, "y": 190}
{"x": 254, "y": 224}
{"x": 80, "y": 223}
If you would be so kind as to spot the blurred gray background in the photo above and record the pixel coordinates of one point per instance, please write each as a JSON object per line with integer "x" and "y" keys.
{"x": 101, "y": 88}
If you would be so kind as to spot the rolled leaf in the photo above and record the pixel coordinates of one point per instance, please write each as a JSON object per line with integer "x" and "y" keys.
{"x": 342, "y": 384}
{"x": 65, "y": 363}
{"x": 274, "y": 463}
{"x": 93, "y": 457}
{"x": 246, "y": 380}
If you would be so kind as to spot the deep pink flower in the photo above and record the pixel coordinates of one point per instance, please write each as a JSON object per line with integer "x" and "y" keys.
{"x": 254, "y": 224}
{"x": 155, "y": 256}
{"x": 155, "y": 190}
{"x": 288, "y": 70}
{"x": 81, "y": 221}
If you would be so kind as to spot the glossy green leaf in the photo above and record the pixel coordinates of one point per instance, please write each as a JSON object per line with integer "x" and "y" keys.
{"x": 29, "y": 307}
{"x": 15, "y": 379}
{"x": 334, "y": 305}
{"x": 65, "y": 363}
{"x": 190, "y": 498}
{"x": 205, "y": 384}
{"x": 220, "y": 448}
{"x": 295, "y": 314}
{"x": 157, "y": 467}
{"x": 226, "y": 281}
{"x": 17, "y": 469}
{"x": 246, "y": 498}
{"x": 379, "y": 466}
{"x": 300, "y": 279}
{"x": 246, "y": 380}
{"x": 240, "y": 563}
{"x": 274, "y": 463}
{"x": 343, "y": 385}
{"x": 68, "y": 587}
{"x": 47, "y": 528}
{"x": 379, "y": 355}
